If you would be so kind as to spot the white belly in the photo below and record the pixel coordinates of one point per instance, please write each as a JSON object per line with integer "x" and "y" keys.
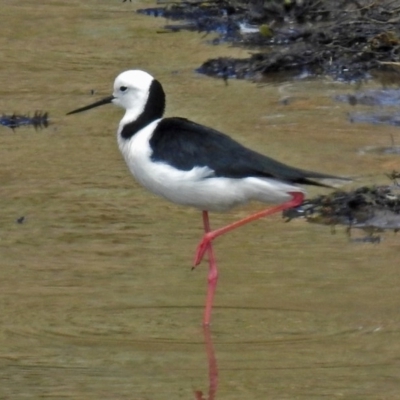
{"x": 197, "y": 187}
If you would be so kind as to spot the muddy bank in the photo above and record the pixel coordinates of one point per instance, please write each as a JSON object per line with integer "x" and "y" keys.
{"x": 347, "y": 40}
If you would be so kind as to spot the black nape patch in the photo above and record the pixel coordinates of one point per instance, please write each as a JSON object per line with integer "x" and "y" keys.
{"x": 154, "y": 109}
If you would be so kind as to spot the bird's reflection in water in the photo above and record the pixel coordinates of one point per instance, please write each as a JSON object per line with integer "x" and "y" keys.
{"x": 212, "y": 368}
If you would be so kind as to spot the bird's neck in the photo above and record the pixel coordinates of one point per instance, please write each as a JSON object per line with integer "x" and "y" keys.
{"x": 136, "y": 119}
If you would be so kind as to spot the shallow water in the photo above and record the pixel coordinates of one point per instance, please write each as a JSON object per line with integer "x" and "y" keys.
{"x": 98, "y": 298}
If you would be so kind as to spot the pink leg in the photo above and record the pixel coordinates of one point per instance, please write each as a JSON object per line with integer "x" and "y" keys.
{"x": 209, "y": 236}
{"x": 212, "y": 273}
{"x": 212, "y": 368}
{"x": 212, "y": 364}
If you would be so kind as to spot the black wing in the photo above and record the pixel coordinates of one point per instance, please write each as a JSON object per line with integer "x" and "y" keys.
{"x": 185, "y": 145}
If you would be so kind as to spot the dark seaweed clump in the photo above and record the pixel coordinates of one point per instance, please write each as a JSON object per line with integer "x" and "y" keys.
{"x": 371, "y": 208}
{"x": 38, "y": 120}
{"x": 344, "y": 39}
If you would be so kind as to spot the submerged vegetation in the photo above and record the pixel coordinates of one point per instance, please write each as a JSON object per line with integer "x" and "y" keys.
{"x": 13, "y": 121}
{"x": 347, "y": 40}
{"x": 370, "y": 208}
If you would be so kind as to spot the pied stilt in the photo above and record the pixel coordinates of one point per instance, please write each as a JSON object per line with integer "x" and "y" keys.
{"x": 193, "y": 165}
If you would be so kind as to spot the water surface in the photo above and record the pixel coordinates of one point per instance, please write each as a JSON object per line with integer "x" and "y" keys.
{"x": 98, "y": 297}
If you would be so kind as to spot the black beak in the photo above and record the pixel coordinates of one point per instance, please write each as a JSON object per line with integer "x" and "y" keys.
{"x": 106, "y": 100}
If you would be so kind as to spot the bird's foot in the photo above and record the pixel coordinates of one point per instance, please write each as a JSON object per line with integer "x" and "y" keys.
{"x": 202, "y": 248}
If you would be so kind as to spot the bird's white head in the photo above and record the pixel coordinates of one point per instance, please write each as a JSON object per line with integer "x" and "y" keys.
{"x": 138, "y": 93}
{"x": 131, "y": 89}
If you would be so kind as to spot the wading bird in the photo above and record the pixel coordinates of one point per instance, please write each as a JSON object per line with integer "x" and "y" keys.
{"x": 197, "y": 166}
